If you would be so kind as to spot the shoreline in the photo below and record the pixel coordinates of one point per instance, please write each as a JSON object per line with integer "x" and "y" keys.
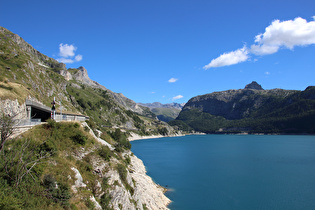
{"x": 135, "y": 137}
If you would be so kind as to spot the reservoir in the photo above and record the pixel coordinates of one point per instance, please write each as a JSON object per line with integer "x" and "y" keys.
{"x": 232, "y": 171}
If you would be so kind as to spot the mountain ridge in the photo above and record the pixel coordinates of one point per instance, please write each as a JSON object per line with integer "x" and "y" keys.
{"x": 250, "y": 110}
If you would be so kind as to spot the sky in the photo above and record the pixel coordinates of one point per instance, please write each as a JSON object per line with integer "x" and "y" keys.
{"x": 172, "y": 50}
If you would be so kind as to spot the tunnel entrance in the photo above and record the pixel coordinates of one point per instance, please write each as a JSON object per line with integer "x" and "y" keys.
{"x": 40, "y": 114}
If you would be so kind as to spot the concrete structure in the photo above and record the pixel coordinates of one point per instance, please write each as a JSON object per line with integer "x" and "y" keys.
{"x": 37, "y": 112}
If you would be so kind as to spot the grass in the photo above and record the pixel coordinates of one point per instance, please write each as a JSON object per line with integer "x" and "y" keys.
{"x": 13, "y": 91}
{"x": 55, "y": 138}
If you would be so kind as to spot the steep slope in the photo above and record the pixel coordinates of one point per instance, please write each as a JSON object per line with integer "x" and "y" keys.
{"x": 86, "y": 172}
{"x": 80, "y": 74}
{"x": 65, "y": 166}
{"x": 251, "y": 109}
{"x": 42, "y": 78}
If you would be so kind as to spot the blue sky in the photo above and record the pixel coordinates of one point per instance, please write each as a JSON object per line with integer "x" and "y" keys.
{"x": 172, "y": 50}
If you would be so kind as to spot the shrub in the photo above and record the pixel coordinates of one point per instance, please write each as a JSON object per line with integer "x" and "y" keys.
{"x": 105, "y": 152}
{"x": 76, "y": 125}
{"x": 86, "y": 129}
{"x": 51, "y": 123}
{"x": 49, "y": 182}
{"x": 79, "y": 138}
{"x": 127, "y": 159}
{"x": 105, "y": 200}
{"x": 122, "y": 172}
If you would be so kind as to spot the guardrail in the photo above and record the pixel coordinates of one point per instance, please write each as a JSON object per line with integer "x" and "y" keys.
{"x": 25, "y": 122}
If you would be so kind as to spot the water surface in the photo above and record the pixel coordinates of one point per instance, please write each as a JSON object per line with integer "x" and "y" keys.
{"x": 233, "y": 171}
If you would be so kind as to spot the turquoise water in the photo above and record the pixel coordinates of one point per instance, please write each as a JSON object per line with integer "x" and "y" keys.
{"x": 233, "y": 171}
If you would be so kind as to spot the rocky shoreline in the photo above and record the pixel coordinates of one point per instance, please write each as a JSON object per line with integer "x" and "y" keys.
{"x": 134, "y": 136}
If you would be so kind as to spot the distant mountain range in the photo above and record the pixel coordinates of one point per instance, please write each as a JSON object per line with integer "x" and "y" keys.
{"x": 250, "y": 110}
{"x": 164, "y": 112}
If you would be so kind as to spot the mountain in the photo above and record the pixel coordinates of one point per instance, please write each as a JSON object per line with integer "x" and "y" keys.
{"x": 80, "y": 74}
{"x": 160, "y": 105}
{"x": 28, "y": 74}
{"x": 252, "y": 110}
{"x": 71, "y": 165}
{"x": 164, "y": 112}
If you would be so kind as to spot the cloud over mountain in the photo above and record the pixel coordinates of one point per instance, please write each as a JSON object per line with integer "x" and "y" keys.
{"x": 177, "y": 97}
{"x": 67, "y": 54}
{"x": 229, "y": 58}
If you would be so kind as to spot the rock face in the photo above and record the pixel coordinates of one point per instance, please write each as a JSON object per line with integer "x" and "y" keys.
{"x": 80, "y": 74}
{"x": 13, "y": 108}
{"x": 146, "y": 192}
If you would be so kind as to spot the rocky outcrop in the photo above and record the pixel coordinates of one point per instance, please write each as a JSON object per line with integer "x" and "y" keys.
{"x": 80, "y": 74}
{"x": 254, "y": 85}
{"x": 145, "y": 191}
{"x": 13, "y": 108}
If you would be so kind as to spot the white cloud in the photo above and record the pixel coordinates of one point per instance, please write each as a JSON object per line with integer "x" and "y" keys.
{"x": 263, "y": 49}
{"x": 267, "y": 73}
{"x": 78, "y": 58}
{"x": 287, "y": 34}
{"x": 65, "y": 60}
{"x": 66, "y": 50}
{"x": 278, "y": 35}
{"x": 172, "y": 80}
{"x": 228, "y": 59}
{"x": 177, "y": 97}
{"x": 67, "y": 54}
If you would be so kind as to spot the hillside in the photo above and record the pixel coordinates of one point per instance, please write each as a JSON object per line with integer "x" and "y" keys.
{"x": 64, "y": 166}
{"x": 250, "y": 110}
{"x": 88, "y": 165}
{"x": 26, "y": 73}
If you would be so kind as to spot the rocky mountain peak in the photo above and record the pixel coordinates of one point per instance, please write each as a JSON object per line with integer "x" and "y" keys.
{"x": 83, "y": 71}
{"x": 254, "y": 85}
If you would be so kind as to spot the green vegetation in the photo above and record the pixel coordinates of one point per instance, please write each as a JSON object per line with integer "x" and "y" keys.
{"x": 123, "y": 177}
{"x": 35, "y": 168}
